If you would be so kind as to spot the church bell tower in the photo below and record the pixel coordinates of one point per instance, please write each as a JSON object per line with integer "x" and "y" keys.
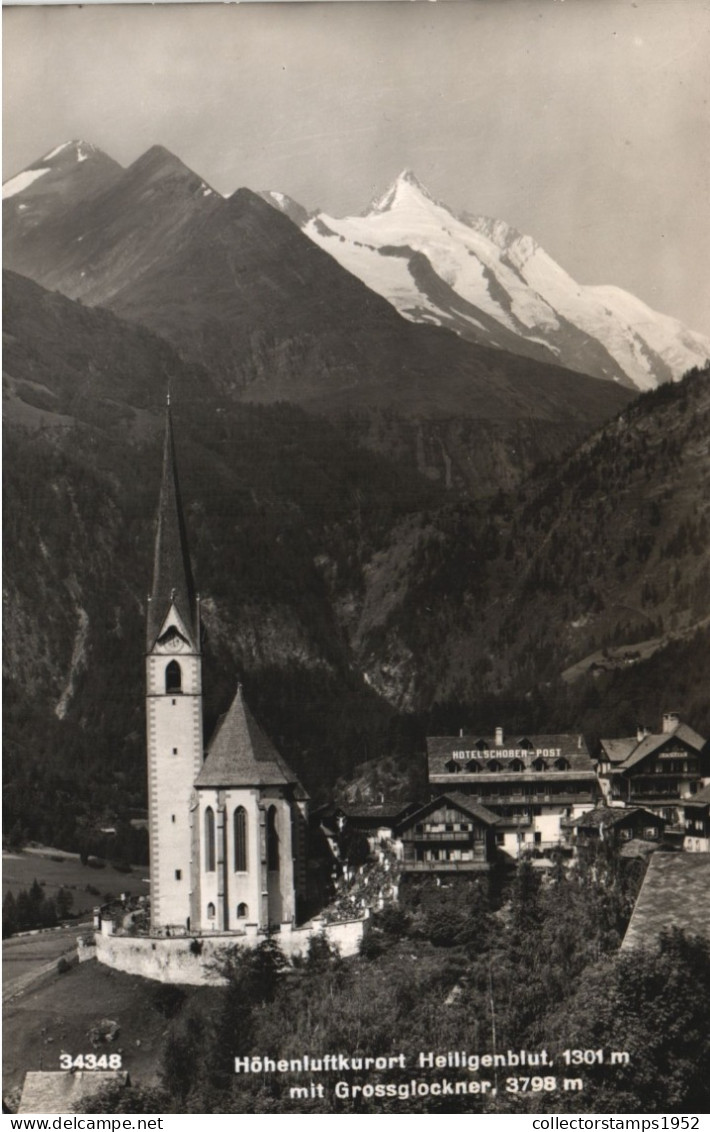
{"x": 173, "y": 706}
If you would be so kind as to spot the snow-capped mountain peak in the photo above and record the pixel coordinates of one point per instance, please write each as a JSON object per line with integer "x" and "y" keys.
{"x": 405, "y": 190}
{"x": 76, "y": 150}
{"x": 496, "y": 286}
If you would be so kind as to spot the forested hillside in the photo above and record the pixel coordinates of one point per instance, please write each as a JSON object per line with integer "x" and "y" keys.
{"x": 362, "y": 604}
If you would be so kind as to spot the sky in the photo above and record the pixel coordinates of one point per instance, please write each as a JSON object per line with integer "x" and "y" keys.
{"x": 583, "y": 123}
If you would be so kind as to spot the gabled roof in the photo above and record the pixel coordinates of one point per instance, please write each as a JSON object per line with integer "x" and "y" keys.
{"x": 240, "y": 754}
{"x": 617, "y": 750}
{"x": 59, "y": 1091}
{"x": 674, "y": 894}
{"x": 702, "y": 798}
{"x": 172, "y": 573}
{"x": 442, "y": 749}
{"x": 458, "y": 801}
{"x": 609, "y": 816}
{"x": 652, "y": 743}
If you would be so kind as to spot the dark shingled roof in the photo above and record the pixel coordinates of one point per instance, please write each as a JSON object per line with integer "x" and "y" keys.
{"x": 625, "y": 753}
{"x": 651, "y": 743}
{"x": 172, "y": 572}
{"x": 608, "y": 816}
{"x": 59, "y": 1091}
{"x": 572, "y": 748}
{"x": 675, "y": 894}
{"x": 617, "y": 750}
{"x": 460, "y": 802}
{"x": 702, "y": 798}
{"x": 240, "y": 754}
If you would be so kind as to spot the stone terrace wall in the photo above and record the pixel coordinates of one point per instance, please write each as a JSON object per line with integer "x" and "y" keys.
{"x": 172, "y": 960}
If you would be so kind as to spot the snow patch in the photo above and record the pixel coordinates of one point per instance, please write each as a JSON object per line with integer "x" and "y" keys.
{"x": 21, "y": 182}
{"x": 58, "y": 150}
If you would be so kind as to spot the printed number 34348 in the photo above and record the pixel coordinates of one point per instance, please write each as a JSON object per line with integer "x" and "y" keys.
{"x": 90, "y": 1061}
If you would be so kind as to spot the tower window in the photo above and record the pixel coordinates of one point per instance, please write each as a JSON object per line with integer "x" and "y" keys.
{"x": 211, "y": 911}
{"x": 173, "y": 677}
{"x": 178, "y": 874}
{"x": 242, "y": 911}
{"x": 175, "y": 750}
{"x": 209, "y": 840}
{"x": 240, "y": 840}
{"x": 172, "y": 817}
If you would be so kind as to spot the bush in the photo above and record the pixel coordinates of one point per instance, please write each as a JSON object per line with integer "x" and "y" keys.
{"x": 168, "y": 1000}
{"x": 63, "y": 966}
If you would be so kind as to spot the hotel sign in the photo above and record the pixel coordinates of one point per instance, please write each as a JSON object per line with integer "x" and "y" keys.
{"x": 508, "y": 753}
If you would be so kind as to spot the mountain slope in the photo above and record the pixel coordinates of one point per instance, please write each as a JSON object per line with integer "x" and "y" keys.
{"x": 583, "y": 579}
{"x": 240, "y": 291}
{"x": 343, "y": 588}
{"x": 496, "y": 287}
{"x": 92, "y": 246}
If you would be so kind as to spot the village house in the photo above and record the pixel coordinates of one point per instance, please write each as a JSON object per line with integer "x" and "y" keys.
{"x": 529, "y": 782}
{"x": 451, "y": 833}
{"x": 659, "y": 771}
{"x": 617, "y": 826}
{"x": 696, "y": 822}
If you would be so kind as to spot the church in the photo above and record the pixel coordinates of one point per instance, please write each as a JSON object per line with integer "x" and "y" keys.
{"x": 227, "y": 824}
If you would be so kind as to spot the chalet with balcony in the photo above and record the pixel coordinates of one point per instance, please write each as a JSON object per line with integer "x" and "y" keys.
{"x": 696, "y": 822}
{"x": 530, "y": 782}
{"x": 452, "y": 833}
{"x": 617, "y": 826}
{"x": 660, "y": 772}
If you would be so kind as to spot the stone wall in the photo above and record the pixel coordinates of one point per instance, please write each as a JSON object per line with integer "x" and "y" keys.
{"x": 190, "y": 960}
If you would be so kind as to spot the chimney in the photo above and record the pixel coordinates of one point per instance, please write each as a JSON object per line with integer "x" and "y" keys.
{"x": 641, "y": 733}
{"x": 499, "y": 736}
{"x": 671, "y": 719}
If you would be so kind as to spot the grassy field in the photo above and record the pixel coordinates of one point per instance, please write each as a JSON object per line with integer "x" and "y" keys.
{"x": 24, "y": 954}
{"x": 20, "y": 869}
{"x": 56, "y": 1016}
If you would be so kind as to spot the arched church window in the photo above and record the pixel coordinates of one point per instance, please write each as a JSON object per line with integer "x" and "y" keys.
{"x": 272, "y": 840}
{"x": 210, "y": 853}
{"x": 211, "y": 911}
{"x": 242, "y": 912}
{"x": 173, "y": 677}
{"x": 240, "y": 840}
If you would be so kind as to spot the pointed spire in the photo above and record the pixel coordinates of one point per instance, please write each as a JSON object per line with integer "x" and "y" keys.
{"x": 172, "y": 573}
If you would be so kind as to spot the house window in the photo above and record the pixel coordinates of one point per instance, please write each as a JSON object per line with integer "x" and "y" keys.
{"x": 178, "y": 874}
{"x": 242, "y": 912}
{"x": 494, "y": 765}
{"x": 650, "y": 833}
{"x": 561, "y": 764}
{"x": 173, "y": 677}
{"x": 240, "y": 840}
{"x": 539, "y": 764}
{"x": 211, "y": 911}
{"x": 210, "y": 853}
{"x": 172, "y": 817}
{"x": 452, "y": 767}
{"x": 175, "y": 750}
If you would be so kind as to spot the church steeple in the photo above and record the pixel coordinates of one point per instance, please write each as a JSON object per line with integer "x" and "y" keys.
{"x": 173, "y": 583}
